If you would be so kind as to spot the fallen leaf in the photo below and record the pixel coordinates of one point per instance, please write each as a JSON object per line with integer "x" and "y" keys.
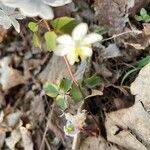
{"x": 57, "y": 64}
{"x": 1, "y": 116}
{"x": 137, "y": 46}
{"x": 2, "y": 139}
{"x": 102, "y": 70}
{"x": 94, "y": 93}
{"x": 140, "y": 87}
{"x": 140, "y": 41}
{"x": 96, "y": 143}
{"x": 13, "y": 139}
{"x": 81, "y": 70}
{"x": 9, "y": 77}
{"x": 111, "y": 51}
{"x": 146, "y": 28}
{"x": 13, "y": 118}
{"x": 3, "y": 34}
{"x": 129, "y": 127}
{"x": 37, "y": 106}
{"x": 26, "y": 139}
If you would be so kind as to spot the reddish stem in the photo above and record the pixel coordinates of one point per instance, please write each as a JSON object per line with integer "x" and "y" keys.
{"x": 70, "y": 71}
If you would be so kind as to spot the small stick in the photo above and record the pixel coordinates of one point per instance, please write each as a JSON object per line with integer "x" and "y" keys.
{"x": 117, "y": 35}
{"x": 47, "y": 25}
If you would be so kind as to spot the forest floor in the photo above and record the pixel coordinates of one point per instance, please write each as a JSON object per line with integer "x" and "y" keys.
{"x": 118, "y": 109}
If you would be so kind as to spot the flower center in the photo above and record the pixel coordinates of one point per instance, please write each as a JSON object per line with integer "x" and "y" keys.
{"x": 77, "y": 54}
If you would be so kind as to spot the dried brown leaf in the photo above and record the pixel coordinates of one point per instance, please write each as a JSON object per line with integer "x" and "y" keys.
{"x": 140, "y": 87}
{"x": 13, "y": 118}
{"x": 3, "y": 34}
{"x": 26, "y": 139}
{"x": 9, "y": 77}
{"x": 96, "y": 143}
{"x": 129, "y": 127}
{"x": 13, "y": 139}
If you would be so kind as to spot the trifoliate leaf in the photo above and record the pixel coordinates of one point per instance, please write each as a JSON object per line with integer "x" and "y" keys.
{"x": 92, "y": 81}
{"x": 65, "y": 85}
{"x": 51, "y": 89}
{"x": 143, "y": 12}
{"x": 64, "y": 24}
{"x": 76, "y": 94}
{"x": 33, "y": 26}
{"x": 36, "y": 40}
{"x": 60, "y": 100}
{"x": 51, "y": 40}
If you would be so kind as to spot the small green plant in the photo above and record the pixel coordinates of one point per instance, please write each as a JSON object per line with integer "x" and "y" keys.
{"x": 67, "y": 88}
{"x": 139, "y": 65}
{"x": 61, "y": 25}
{"x": 101, "y": 29}
{"x": 34, "y": 27}
{"x": 144, "y": 16}
{"x": 58, "y": 92}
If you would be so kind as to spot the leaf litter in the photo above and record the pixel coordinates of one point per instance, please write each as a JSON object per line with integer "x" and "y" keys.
{"x": 29, "y": 119}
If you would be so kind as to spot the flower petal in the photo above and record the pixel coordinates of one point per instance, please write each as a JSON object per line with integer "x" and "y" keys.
{"x": 6, "y": 23}
{"x": 56, "y": 3}
{"x": 46, "y": 12}
{"x": 31, "y": 8}
{"x": 92, "y": 38}
{"x": 16, "y": 24}
{"x": 85, "y": 52}
{"x": 65, "y": 39}
{"x": 71, "y": 57}
{"x": 62, "y": 50}
{"x": 79, "y": 31}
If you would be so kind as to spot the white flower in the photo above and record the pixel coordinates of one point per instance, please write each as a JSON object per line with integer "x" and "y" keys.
{"x": 57, "y": 3}
{"x": 74, "y": 123}
{"x": 77, "y": 45}
{"x": 70, "y": 130}
{"x": 33, "y": 8}
{"x": 8, "y": 17}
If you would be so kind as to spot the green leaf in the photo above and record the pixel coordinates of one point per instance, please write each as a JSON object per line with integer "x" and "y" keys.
{"x": 36, "y": 40}
{"x": 64, "y": 24}
{"x": 51, "y": 89}
{"x": 76, "y": 93}
{"x": 143, "y": 62}
{"x": 65, "y": 85}
{"x": 143, "y": 12}
{"x": 51, "y": 40}
{"x": 60, "y": 100}
{"x": 33, "y": 26}
{"x": 92, "y": 82}
{"x": 101, "y": 29}
{"x": 138, "y": 18}
{"x": 146, "y": 18}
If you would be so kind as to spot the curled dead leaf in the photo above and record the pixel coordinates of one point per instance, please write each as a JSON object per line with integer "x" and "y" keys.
{"x": 129, "y": 127}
